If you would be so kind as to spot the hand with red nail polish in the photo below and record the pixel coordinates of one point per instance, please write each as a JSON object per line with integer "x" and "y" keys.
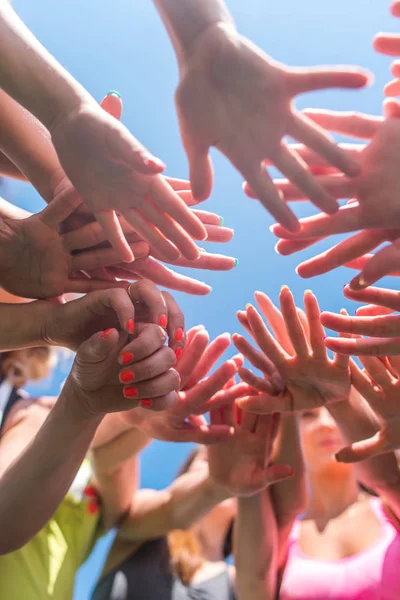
{"x": 197, "y": 394}
{"x": 241, "y": 464}
{"x": 309, "y": 378}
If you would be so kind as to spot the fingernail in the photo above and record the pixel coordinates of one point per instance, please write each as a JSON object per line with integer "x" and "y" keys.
{"x": 146, "y": 403}
{"x": 154, "y": 162}
{"x": 236, "y": 262}
{"x": 130, "y": 392}
{"x": 221, "y": 221}
{"x": 127, "y": 376}
{"x": 114, "y": 93}
{"x": 284, "y": 287}
{"x": 179, "y": 334}
{"x": 178, "y": 353}
{"x": 130, "y": 326}
{"x": 106, "y": 333}
{"x": 126, "y": 358}
{"x": 163, "y": 321}
{"x": 362, "y": 281}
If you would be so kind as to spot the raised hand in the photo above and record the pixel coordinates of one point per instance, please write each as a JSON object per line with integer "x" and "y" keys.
{"x": 38, "y": 262}
{"x": 197, "y": 394}
{"x": 310, "y": 378}
{"x": 234, "y": 97}
{"x": 379, "y": 384}
{"x": 389, "y": 43}
{"x": 375, "y": 321}
{"x": 241, "y": 464}
{"x": 94, "y": 376}
{"x": 376, "y": 186}
{"x": 113, "y": 171}
{"x": 71, "y": 323}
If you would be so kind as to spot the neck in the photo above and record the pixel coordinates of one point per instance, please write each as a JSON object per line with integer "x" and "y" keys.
{"x": 331, "y": 494}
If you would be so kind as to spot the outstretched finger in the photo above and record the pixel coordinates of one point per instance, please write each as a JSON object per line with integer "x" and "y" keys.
{"x": 315, "y": 137}
{"x": 293, "y": 324}
{"x": 354, "y": 124}
{"x": 340, "y": 254}
{"x": 384, "y": 262}
{"x": 365, "y": 346}
{"x": 112, "y": 228}
{"x": 363, "y": 450}
{"x": 382, "y": 297}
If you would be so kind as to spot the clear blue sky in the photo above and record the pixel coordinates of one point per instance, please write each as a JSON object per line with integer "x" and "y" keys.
{"x": 122, "y": 45}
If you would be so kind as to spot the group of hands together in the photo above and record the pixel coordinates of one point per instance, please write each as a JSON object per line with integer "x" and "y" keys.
{"x": 114, "y": 216}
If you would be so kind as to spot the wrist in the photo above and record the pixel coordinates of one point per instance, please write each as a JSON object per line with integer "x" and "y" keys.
{"x": 216, "y": 490}
{"x": 203, "y": 45}
{"x": 74, "y": 403}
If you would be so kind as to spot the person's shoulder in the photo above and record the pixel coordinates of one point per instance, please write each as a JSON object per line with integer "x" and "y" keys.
{"x": 27, "y": 409}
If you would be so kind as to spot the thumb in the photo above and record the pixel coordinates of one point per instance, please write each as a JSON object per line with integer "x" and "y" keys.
{"x": 98, "y": 348}
{"x": 307, "y": 80}
{"x": 59, "y": 209}
{"x": 112, "y": 104}
{"x": 362, "y": 450}
{"x": 263, "y": 404}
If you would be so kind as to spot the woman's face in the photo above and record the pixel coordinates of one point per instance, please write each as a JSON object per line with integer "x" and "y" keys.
{"x": 321, "y": 438}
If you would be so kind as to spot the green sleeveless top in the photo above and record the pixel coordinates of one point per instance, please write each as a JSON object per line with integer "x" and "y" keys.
{"x": 45, "y": 568}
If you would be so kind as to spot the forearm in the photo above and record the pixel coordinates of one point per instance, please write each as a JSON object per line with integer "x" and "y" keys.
{"x": 256, "y": 544}
{"x": 22, "y": 324}
{"x": 30, "y": 75}
{"x": 357, "y": 422}
{"x": 27, "y": 143}
{"x": 116, "y": 474}
{"x": 188, "y": 499}
{"x": 8, "y": 169}
{"x": 37, "y": 481}
{"x": 185, "y": 20}
{"x": 289, "y": 497}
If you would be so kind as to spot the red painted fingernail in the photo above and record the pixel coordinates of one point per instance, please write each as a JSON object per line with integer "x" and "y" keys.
{"x": 146, "y": 403}
{"x": 178, "y": 353}
{"x": 106, "y": 333}
{"x": 179, "y": 334}
{"x": 163, "y": 321}
{"x": 126, "y": 376}
{"x": 126, "y": 358}
{"x": 130, "y": 392}
{"x": 130, "y": 326}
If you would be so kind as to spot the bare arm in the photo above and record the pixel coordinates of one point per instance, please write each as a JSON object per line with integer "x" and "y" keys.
{"x": 186, "y": 19}
{"x": 33, "y": 479}
{"x": 154, "y": 514}
{"x": 30, "y": 75}
{"x": 26, "y": 142}
{"x": 116, "y": 473}
{"x": 356, "y": 422}
{"x": 256, "y": 548}
{"x": 21, "y": 324}
{"x": 289, "y": 497}
{"x": 8, "y": 169}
